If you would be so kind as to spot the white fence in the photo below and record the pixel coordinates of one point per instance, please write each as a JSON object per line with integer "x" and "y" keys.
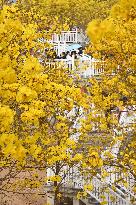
{"x": 102, "y": 191}
{"x": 68, "y": 37}
{"x": 60, "y": 48}
{"x": 65, "y": 36}
{"x": 85, "y": 68}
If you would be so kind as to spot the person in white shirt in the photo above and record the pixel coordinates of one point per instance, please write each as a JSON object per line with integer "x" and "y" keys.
{"x": 69, "y": 60}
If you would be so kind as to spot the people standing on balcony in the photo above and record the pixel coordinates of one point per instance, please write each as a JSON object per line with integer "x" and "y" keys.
{"x": 63, "y": 55}
{"x": 80, "y": 51}
{"x": 69, "y": 60}
{"x": 74, "y": 53}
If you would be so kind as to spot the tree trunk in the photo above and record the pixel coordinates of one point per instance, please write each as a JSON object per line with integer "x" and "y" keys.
{"x": 56, "y": 198}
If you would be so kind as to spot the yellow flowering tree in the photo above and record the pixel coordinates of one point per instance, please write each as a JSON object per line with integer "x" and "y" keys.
{"x": 113, "y": 94}
{"x": 39, "y": 110}
{"x": 71, "y": 11}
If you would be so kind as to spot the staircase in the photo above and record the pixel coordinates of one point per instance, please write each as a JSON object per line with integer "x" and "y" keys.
{"x": 102, "y": 192}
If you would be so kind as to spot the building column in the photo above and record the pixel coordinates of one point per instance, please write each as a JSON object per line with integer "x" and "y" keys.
{"x": 50, "y": 200}
{"x": 75, "y": 202}
{"x": 73, "y": 62}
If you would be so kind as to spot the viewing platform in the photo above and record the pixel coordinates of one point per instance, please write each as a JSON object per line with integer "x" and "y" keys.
{"x": 65, "y": 40}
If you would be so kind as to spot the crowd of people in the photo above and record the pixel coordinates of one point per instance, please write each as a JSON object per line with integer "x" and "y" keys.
{"x": 68, "y": 55}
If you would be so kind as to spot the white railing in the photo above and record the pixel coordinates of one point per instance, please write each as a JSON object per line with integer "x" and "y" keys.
{"x": 127, "y": 178}
{"x": 59, "y": 48}
{"x": 117, "y": 180}
{"x": 111, "y": 197}
{"x": 69, "y": 37}
{"x": 90, "y": 67}
{"x": 101, "y": 190}
{"x": 85, "y": 68}
{"x": 65, "y": 36}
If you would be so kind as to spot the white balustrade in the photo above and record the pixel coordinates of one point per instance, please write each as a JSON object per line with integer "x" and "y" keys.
{"x": 60, "y": 48}
{"x": 127, "y": 178}
{"x": 101, "y": 190}
{"x": 65, "y": 36}
{"x": 69, "y": 37}
{"x": 86, "y": 68}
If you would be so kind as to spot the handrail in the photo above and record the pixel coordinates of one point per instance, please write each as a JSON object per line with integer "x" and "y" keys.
{"x": 100, "y": 189}
{"x": 81, "y": 67}
{"x": 68, "y": 37}
{"x": 111, "y": 196}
